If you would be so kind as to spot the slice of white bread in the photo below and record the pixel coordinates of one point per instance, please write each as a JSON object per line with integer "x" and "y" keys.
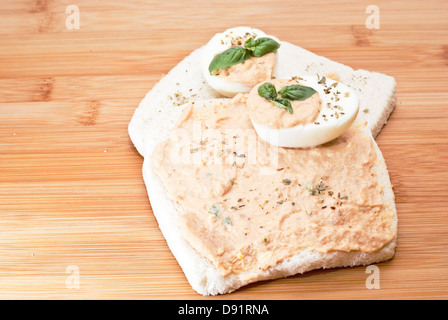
{"x": 159, "y": 111}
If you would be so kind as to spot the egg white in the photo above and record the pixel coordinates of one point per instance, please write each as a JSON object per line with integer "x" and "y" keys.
{"x": 219, "y": 43}
{"x": 337, "y": 113}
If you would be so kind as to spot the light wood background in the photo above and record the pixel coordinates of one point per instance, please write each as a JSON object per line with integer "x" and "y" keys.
{"x": 71, "y": 189}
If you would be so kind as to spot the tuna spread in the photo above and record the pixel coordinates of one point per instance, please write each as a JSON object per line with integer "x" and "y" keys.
{"x": 266, "y": 113}
{"x": 251, "y": 71}
{"x": 246, "y": 205}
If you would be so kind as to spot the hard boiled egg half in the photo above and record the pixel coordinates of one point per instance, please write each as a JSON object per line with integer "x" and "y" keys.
{"x": 301, "y": 112}
{"x": 253, "y": 62}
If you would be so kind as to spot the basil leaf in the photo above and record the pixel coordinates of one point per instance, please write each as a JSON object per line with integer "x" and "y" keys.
{"x": 235, "y": 55}
{"x": 267, "y": 90}
{"x": 228, "y": 58}
{"x": 250, "y": 44}
{"x": 296, "y": 92}
{"x": 261, "y": 46}
{"x": 282, "y": 103}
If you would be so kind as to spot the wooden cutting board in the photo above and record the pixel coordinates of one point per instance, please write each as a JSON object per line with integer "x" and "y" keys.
{"x": 76, "y": 222}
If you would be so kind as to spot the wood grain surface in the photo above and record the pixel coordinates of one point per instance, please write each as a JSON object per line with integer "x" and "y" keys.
{"x": 72, "y": 196}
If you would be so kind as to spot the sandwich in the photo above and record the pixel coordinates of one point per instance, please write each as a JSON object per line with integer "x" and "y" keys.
{"x": 260, "y": 162}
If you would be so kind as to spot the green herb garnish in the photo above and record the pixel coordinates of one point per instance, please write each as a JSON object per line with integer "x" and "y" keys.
{"x": 235, "y": 55}
{"x": 267, "y": 90}
{"x": 214, "y": 210}
{"x": 317, "y": 189}
{"x": 227, "y": 221}
{"x": 283, "y": 103}
{"x": 293, "y": 92}
{"x": 228, "y": 58}
{"x": 261, "y": 46}
{"x": 297, "y": 92}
